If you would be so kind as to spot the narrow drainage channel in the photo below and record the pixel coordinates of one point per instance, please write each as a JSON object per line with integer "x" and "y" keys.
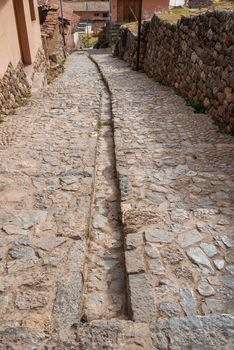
{"x": 105, "y": 279}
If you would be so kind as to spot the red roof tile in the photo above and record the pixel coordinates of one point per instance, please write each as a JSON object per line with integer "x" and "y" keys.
{"x": 54, "y": 14}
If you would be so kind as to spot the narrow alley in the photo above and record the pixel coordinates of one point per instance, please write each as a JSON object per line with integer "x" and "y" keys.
{"x": 116, "y": 217}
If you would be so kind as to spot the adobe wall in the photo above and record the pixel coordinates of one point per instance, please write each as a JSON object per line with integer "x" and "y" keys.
{"x": 9, "y": 43}
{"x": 14, "y": 83}
{"x": 195, "y": 56}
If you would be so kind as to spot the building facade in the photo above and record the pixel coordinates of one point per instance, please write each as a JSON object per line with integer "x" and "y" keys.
{"x": 127, "y": 10}
{"x": 96, "y": 13}
{"x": 21, "y": 50}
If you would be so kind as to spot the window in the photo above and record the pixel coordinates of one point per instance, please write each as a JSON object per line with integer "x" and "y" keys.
{"x": 97, "y": 14}
{"x": 105, "y": 14}
{"x": 32, "y": 10}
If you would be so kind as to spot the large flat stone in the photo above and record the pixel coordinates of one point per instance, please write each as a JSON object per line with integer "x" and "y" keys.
{"x": 213, "y": 306}
{"x": 188, "y": 238}
{"x": 188, "y": 300}
{"x": 31, "y": 300}
{"x": 141, "y": 298}
{"x": 227, "y": 280}
{"x": 66, "y": 311}
{"x": 134, "y": 260}
{"x": 170, "y": 308}
{"x": 157, "y": 235}
{"x": 114, "y": 335}
{"x": 133, "y": 240}
{"x": 49, "y": 242}
{"x": 209, "y": 249}
{"x": 76, "y": 257}
{"x": 197, "y": 256}
{"x": 205, "y": 289}
{"x": 18, "y": 252}
{"x": 195, "y": 333}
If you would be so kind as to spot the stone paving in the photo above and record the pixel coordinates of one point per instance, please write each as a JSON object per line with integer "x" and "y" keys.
{"x": 47, "y": 162}
{"x": 95, "y": 182}
{"x": 176, "y": 179}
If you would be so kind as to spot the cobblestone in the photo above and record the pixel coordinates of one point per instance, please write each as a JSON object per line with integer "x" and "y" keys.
{"x": 176, "y": 178}
{"x": 48, "y": 157}
{"x": 116, "y": 221}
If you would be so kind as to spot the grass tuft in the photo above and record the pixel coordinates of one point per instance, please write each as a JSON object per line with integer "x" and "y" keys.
{"x": 10, "y": 112}
{"x": 101, "y": 124}
{"x": 196, "y": 105}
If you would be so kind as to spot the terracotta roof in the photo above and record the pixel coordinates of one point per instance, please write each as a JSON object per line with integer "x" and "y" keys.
{"x": 97, "y": 6}
{"x": 53, "y": 16}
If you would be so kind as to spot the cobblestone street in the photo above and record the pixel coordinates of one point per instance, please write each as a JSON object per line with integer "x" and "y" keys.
{"x": 116, "y": 206}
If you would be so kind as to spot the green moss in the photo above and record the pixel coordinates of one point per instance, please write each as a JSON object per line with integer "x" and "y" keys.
{"x": 23, "y": 102}
{"x": 196, "y": 105}
{"x": 27, "y": 95}
{"x": 11, "y": 112}
{"x": 216, "y": 120}
{"x": 101, "y": 124}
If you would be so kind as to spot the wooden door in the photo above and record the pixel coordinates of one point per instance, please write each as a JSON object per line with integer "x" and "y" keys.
{"x": 22, "y": 31}
{"x": 129, "y": 11}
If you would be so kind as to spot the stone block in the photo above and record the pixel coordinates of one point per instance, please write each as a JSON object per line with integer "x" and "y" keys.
{"x": 197, "y": 256}
{"x": 142, "y": 298}
{"x": 31, "y": 300}
{"x": 133, "y": 240}
{"x": 157, "y": 235}
{"x": 155, "y": 267}
{"x": 134, "y": 260}
{"x": 188, "y": 238}
{"x": 195, "y": 332}
{"x": 67, "y": 304}
{"x": 169, "y": 308}
{"x": 188, "y": 300}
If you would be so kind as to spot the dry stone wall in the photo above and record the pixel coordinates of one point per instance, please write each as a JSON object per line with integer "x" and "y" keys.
{"x": 196, "y": 56}
{"x": 15, "y": 84}
{"x": 40, "y": 64}
{"x": 54, "y": 51}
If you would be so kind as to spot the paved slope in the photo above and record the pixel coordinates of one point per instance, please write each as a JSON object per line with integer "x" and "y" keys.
{"x": 62, "y": 241}
{"x": 176, "y": 179}
{"x": 47, "y": 168}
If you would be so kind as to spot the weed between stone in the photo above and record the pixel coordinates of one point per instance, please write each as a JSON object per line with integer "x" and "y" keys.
{"x": 216, "y": 121}
{"x": 196, "y": 105}
{"x": 23, "y": 102}
{"x": 11, "y": 112}
{"x": 101, "y": 124}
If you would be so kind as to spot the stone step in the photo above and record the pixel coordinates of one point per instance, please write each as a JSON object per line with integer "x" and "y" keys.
{"x": 194, "y": 332}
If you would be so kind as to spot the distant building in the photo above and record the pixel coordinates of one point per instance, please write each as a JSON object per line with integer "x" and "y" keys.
{"x": 94, "y": 14}
{"x": 127, "y": 10}
{"x": 177, "y": 3}
{"x": 20, "y": 46}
